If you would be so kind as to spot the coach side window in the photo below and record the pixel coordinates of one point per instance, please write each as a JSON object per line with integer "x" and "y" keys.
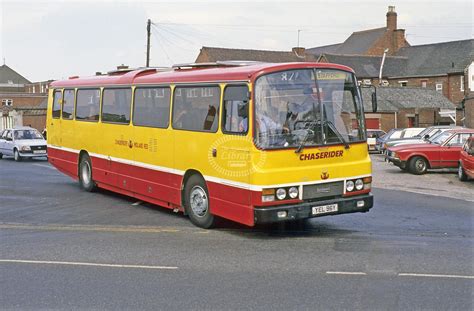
{"x": 68, "y": 105}
{"x": 87, "y": 104}
{"x": 235, "y": 109}
{"x": 151, "y": 106}
{"x": 196, "y": 108}
{"x": 57, "y": 97}
{"x": 116, "y": 105}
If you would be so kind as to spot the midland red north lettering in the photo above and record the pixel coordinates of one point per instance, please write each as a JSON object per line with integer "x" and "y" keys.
{"x": 321, "y": 155}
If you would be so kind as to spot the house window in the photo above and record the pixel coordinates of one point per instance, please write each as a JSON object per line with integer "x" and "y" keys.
{"x": 403, "y": 83}
{"x": 461, "y": 81}
{"x": 439, "y": 87}
{"x": 424, "y": 83}
{"x": 7, "y": 102}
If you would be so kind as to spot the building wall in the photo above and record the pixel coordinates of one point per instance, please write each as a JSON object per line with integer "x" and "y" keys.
{"x": 36, "y": 121}
{"x": 391, "y": 40}
{"x": 23, "y": 100}
{"x": 469, "y": 111}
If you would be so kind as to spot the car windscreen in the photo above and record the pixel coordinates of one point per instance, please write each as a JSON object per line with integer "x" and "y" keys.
{"x": 27, "y": 134}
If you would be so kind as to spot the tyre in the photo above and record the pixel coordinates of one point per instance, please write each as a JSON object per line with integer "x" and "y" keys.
{"x": 418, "y": 165}
{"x": 196, "y": 202}
{"x": 461, "y": 173}
{"x": 85, "y": 174}
{"x": 1, "y": 155}
{"x": 16, "y": 155}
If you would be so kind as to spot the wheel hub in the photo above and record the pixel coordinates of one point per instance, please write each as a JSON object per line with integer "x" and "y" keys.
{"x": 199, "y": 201}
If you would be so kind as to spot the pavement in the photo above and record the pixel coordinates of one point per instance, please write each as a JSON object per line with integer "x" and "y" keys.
{"x": 63, "y": 248}
{"x": 440, "y": 182}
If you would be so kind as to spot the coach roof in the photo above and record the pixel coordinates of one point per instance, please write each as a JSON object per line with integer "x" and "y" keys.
{"x": 191, "y": 75}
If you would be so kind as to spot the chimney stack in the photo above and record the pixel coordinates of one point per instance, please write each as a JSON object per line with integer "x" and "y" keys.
{"x": 391, "y": 18}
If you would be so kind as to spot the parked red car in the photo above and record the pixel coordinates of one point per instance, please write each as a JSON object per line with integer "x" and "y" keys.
{"x": 466, "y": 161}
{"x": 443, "y": 151}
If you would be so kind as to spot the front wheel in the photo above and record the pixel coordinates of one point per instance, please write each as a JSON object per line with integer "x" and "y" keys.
{"x": 461, "y": 173}
{"x": 196, "y": 202}
{"x": 85, "y": 174}
{"x": 16, "y": 155}
{"x": 418, "y": 165}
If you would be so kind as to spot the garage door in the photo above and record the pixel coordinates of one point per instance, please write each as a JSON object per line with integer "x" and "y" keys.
{"x": 372, "y": 123}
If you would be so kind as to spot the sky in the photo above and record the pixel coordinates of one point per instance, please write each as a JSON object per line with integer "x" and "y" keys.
{"x": 44, "y": 40}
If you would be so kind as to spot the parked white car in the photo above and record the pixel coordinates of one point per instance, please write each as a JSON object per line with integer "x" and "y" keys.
{"x": 22, "y": 142}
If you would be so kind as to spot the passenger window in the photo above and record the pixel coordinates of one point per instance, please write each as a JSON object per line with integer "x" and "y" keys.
{"x": 57, "y": 104}
{"x": 116, "y": 105}
{"x": 151, "y": 107}
{"x": 236, "y": 110}
{"x": 196, "y": 108}
{"x": 87, "y": 106}
{"x": 458, "y": 140}
{"x": 68, "y": 105}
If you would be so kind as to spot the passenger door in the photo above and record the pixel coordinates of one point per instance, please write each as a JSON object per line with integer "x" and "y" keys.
{"x": 54, "y": 133}
{"x": 451, "y": 150}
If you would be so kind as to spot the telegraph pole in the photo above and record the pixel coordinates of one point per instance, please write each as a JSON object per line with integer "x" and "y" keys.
{"x": 148, "y": 33}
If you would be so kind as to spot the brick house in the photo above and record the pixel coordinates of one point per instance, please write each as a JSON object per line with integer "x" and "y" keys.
{"x": 22, "y": 102}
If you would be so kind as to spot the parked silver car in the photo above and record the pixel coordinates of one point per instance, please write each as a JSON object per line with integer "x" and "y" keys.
{"x": 22, "y": 142}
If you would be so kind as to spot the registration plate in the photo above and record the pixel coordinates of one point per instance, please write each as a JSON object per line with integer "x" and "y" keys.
{"x": 39, "y": 151}
{"x": 324, "y": 209}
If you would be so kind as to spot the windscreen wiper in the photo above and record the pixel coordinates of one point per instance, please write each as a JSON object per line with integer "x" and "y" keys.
{"x": 338, "y": 134}
{"x": 309, "y": 133}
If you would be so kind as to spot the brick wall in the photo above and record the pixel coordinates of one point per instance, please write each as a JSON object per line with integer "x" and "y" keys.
{"x": 20, "y": 100}
{"x": 469, "y": 111}
{"x": 37, "y": 121}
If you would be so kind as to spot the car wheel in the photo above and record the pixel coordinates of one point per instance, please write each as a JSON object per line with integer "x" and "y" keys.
{"x": 196, "y": 202}
{"x": 461, "y": 173}
{"x": 418, "y": 165}
{"x": 1, "y": 155}
{"x": 16, "y": 155}
{"x": 85, "y": 174}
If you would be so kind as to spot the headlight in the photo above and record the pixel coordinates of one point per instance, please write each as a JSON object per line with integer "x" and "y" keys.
{"x": 25, "y": 148}
{"x": 349, "y": 185}
{"x": 281, "y": 194}
{"x": 293, "y": 192}
{"x": 359, "y": 184}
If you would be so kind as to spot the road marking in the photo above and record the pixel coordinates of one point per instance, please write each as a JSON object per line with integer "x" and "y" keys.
{"x": 70, "y": 263}
{"x": 46, "y": 166}
{"x": 345, "y": 273}
{"x": 89, "y": 228}
{"x": 451, "y": 276}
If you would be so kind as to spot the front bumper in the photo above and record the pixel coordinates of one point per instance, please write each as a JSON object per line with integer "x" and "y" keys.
{"x": 396, "y": 161}
{"x": 32, "y": 155}
{"x": 304, "y": 210}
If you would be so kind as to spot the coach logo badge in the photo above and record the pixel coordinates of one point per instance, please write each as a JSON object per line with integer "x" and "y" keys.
{"x": 130, "y": 144}
{"x": 324, "y": 174}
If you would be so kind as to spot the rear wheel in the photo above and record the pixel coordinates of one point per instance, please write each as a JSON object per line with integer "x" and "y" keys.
{"x": 85, "y": 174}
{"x": 1, "y": 155}
{"x": 461, "y": 173}
{"x": 16, "y": 155}
{"x": 196, "y": 202}
{"x": 418, "y": 165}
